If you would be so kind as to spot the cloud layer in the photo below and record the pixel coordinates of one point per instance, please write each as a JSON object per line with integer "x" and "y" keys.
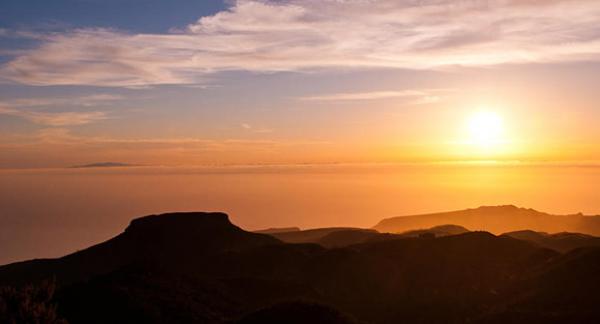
{"x": 70, "y": 118}
{"x": 294, "y": 35}
{"x": 410, "y": 96}
{"x": 36, "y": 110}
{"x": 59, "y": 147}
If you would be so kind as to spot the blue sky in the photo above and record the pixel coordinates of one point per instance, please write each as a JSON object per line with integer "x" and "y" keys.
{"x": 152, "y": 16}
{"x": 146, "y": 16}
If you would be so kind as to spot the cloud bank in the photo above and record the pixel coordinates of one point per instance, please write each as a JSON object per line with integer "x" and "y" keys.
{"x": 308, "y": 35}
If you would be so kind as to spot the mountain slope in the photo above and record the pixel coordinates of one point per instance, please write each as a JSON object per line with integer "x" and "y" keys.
{"x": 562, "y": 291}
{"x": 561, "y": 242}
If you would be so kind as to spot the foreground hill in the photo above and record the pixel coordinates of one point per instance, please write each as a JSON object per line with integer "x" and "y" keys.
{"x": 496, "y": 219}
{"x": 200, "y": 268}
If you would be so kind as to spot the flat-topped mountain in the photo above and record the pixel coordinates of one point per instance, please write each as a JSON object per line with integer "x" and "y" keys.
{"x": 174, "y": 240}
{"x": 495, "y": 219}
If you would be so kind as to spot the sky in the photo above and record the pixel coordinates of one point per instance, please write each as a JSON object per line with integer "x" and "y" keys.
{"x": 151, "y": 82}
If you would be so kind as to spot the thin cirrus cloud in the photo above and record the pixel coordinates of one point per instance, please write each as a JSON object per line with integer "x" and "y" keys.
{"x": 253, "y": 129}
{"x": 29, "y": 109}
{"x": 55, "y": 118}
{"x": 413, "y": 96}
{"x": 63, "y": 136}
{"x": 52, "y": 145}
{"x": 295, "y": 35}
{"x": 86, "y": 101}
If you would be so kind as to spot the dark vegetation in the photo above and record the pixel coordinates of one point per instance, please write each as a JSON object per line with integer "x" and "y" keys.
{"x": 29, "y": 304}
{"x": 200, "y": 268}
{"x": 297, "y": 313}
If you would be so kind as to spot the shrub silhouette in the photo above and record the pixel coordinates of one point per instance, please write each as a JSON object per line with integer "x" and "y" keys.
{"x": 297, "y": 312}
{"x": 29, "y": 305}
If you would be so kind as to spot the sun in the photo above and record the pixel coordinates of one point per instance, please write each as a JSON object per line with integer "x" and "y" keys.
{"x": 485, "y": 129}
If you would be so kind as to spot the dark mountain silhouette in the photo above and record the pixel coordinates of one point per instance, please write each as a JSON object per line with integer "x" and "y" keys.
{"x": 200, "y": 268}
{"x": 347, "y": 237}
{"x": 155, "y": 240}
{"x": 310, "y": 235}
{"x": 440, "y": 230}
{"x": 274, "y": 230}
{"x": 332, "y": 237}
{"x": 563, "y": 291}
{"x": 562, "y": 242}
{"x": 496, "y": 219}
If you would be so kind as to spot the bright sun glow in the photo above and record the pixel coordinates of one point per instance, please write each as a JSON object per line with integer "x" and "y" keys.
{"x": 485, "y": 129}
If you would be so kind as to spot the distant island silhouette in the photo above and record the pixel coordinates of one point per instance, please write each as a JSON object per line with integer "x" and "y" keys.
{"x": 102, "y": 165}
{"x": 496, "y": 219}
{"x": 200, "y": 268}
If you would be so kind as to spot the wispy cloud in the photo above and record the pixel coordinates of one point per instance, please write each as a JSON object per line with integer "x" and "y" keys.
{"x": 59, "y": 146}
{"x": 415, "y": 96}
{"x": 36, "y": 109}
{"x": 85, "y": 101}
{"x": 253, "y": 129}
{"x": 55, "y": 118}
{"x": 64, "y": 137}
{"x": 293, "y": 35}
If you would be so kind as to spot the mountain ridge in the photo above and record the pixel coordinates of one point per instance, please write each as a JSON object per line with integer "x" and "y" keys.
{"x": 495, "y": 219}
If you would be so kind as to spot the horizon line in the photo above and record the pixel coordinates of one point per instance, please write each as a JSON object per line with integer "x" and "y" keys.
{"x": 482, "y": 162}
